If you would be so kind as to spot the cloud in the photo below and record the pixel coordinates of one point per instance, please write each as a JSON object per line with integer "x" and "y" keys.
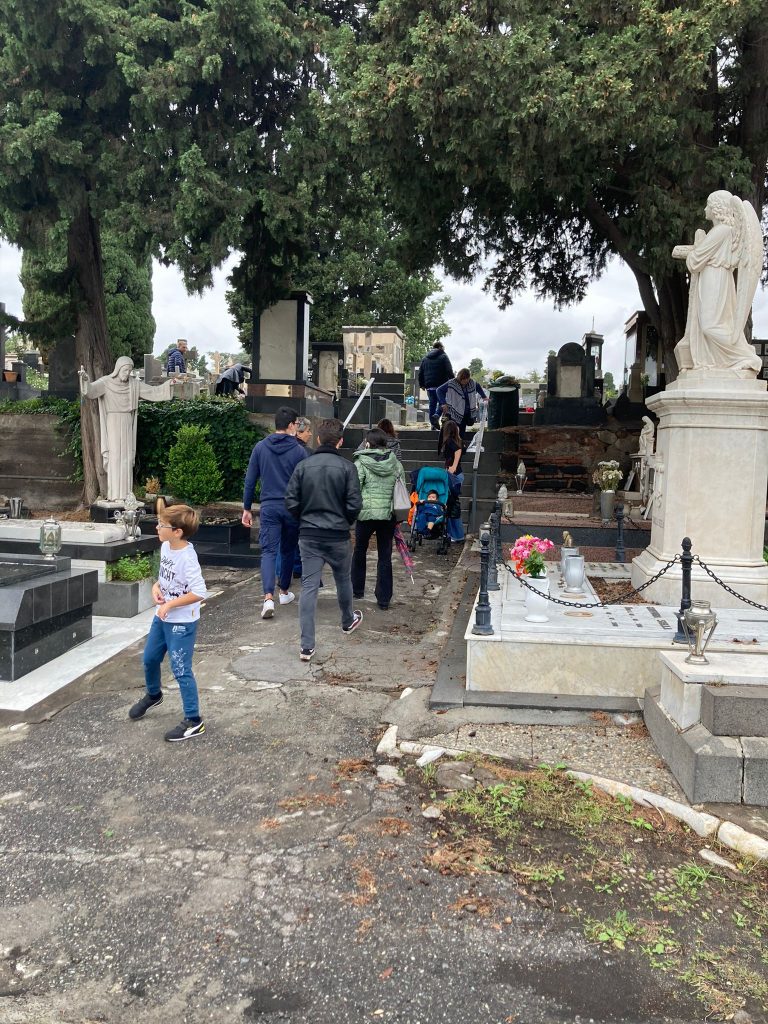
{"x": 515, "y": 340}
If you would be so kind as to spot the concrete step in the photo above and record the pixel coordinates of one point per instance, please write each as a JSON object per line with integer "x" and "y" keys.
{"x": 738, "y": 710}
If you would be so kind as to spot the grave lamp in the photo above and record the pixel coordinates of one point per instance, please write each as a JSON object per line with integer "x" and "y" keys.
{"x": 50, "y": 537}
{"x": 698, "y": 622}
{"x": 520, "y": 476}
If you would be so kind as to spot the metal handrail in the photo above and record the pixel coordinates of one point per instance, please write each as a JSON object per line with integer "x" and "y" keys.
{"x": 478, "y": 442}
{"x": 357, "y": 404}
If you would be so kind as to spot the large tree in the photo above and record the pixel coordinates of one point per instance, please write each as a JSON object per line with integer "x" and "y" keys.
{"x": 48, "y": 299}
{"x": 544, "y": 138}
{"x": 178, "y": 123}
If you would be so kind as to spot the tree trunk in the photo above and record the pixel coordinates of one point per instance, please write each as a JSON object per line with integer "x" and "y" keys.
{"x": 91, "y": 340}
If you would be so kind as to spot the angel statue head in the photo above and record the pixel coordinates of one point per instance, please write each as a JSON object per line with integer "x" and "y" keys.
{"x": 719, "y": 208}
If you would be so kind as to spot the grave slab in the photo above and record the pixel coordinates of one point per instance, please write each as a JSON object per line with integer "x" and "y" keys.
{"x": 735, "y": 710}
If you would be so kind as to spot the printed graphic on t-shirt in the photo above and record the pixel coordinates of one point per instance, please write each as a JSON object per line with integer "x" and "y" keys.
{"x": 169, "y": 585}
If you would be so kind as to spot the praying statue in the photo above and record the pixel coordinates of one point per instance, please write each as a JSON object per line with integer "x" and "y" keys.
{"x": 118, "y": 396}
{"x": 718, "y": 307}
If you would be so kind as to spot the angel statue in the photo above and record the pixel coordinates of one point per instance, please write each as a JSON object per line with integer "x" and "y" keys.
{"x": 717, "y": 307}
{"x": 118, "y": 396}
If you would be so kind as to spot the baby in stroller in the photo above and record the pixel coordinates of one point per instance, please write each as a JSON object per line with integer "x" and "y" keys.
{"x": 429, "y": 513}
{"x": 432, "y": 491}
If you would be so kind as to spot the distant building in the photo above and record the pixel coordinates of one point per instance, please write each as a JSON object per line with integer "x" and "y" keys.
{"x": 369, "y": 350}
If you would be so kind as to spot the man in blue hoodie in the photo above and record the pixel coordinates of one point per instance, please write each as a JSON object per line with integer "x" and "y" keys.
{"x": 273, "y": 461}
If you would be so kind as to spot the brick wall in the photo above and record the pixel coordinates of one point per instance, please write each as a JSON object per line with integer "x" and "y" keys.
{"x": 563, "y": 458}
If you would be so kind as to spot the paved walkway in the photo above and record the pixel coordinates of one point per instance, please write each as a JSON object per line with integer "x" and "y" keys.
{"x": 265, "y": 871}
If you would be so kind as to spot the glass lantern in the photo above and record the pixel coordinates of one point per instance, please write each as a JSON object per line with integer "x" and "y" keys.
{"x": 50, "y": 537}
{"x": 698, "y": 624}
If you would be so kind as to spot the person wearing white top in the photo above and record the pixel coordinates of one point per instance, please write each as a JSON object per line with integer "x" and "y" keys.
{"x": 178, "y": 592}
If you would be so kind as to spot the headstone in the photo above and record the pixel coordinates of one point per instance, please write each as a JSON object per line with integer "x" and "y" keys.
{"x": 62, "y": 370}
{"x": 281, "y": 341}
{"x": 570, "y": 398}
{"x": 153, "y": 369}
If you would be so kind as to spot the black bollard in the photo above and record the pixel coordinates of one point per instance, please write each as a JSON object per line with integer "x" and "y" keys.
{"x": 686, "y": 560}
{"x": 493, "y": 568}
{"x": 482, "y": 626}
{"x": 620, "y": 552}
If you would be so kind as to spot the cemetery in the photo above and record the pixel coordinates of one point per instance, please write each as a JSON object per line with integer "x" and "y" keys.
{"x": 515, "y": 767}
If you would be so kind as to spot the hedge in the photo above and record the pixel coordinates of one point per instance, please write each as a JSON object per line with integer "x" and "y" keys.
{"x": 230, "y": 432}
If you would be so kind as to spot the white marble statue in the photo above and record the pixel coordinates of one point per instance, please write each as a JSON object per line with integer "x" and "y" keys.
{"x": 717, "y": 308}
{"x": 645, "y": 450}
{"x": 118, "y": 396}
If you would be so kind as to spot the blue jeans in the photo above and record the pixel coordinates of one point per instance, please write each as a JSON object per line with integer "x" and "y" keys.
{"x": 434, "y": 404}
{"x": 278, "y": 531}
{"x": 178, "y": 639}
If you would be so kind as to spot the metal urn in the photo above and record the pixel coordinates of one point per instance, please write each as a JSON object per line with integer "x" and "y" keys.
{"x": 50, "y": 537}
{"x": 699, "y": 622}
{"x": 130, "y": 517}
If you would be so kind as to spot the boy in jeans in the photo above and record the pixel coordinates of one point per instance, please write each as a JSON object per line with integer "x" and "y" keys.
{"x": 324, "y": 495}
{"x": 177, "y": 593}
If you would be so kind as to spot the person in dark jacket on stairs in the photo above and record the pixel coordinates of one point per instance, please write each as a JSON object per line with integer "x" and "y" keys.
{"x": 273, "y": 460}
{"x": 434, "y": 371}
{"x": 324, "y": 495}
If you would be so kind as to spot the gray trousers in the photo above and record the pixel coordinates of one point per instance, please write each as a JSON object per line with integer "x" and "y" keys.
{"x": 315, "y": 552}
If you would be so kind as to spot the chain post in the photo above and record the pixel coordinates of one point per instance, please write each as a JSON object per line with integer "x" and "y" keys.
{"x": 482, "y": 626}
{"x": 686, "y": 560}
{"x": 493, "y": 568}
{"x": 620, "y": 552}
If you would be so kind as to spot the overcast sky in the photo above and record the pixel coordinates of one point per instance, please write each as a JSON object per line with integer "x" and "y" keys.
{"x": 515, "y": 340}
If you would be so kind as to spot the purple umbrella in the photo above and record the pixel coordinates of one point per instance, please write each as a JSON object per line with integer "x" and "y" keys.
{"x": 405, "y": 554}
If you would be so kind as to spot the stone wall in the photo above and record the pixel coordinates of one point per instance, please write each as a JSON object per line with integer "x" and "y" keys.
{"x": 563, "y": 458}
{"x": 30, "y": 466}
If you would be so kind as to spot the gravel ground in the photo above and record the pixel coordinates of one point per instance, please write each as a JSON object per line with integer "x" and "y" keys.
{"x": 624, "y": 752}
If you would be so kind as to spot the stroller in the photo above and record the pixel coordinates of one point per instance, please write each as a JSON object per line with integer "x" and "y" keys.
{"x": 424, "y": 482}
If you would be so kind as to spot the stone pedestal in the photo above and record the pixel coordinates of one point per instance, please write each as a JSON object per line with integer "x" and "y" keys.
{"x": 710, "y": 485}
{"x": 710, "y": 724}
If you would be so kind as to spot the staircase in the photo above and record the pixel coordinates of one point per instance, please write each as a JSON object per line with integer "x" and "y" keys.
{"x": 419, "y": 448}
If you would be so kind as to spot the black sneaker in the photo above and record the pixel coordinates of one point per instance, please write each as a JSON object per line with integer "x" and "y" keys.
{"x": 354, "y": 624}
{"x": 358, "y": 597}
{"x": 306, "y": 653}
{"x": 186, "y": 730}
{"x": 141, "y": 707}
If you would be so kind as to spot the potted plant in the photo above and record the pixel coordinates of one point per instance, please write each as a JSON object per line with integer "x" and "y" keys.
{"x": 127, "y": 589}
{"x": 151, "y": 493}
{"x": 528, "y": 555}
{"x": 13, "y": 346}
{"x": 607, "y": 476}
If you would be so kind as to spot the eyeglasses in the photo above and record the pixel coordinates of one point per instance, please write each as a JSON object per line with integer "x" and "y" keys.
{"x": 164, "y": 526}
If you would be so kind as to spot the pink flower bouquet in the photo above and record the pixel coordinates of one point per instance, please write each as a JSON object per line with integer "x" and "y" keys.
{"x": 528, "y": 555}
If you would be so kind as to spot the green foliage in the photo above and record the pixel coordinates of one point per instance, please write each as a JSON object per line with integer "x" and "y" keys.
{"x": 193, "y": 475}
{"x": 494, "y": 807}
{"x": 129, "y": 570}
{"x": 229, "y": 431}
{"x": 50, "y": 301}
{"x": 540, "y": 139}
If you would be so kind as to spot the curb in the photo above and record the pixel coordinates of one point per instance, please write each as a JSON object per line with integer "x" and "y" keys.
{"x": 705, "y": 825}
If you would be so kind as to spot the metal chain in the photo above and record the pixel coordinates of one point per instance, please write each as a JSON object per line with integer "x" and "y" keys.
{"x": 730, "y": 590}
{"x": 600, "y": 604}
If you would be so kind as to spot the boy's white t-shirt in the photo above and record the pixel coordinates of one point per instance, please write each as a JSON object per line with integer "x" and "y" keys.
{"x": 180, "y": 574}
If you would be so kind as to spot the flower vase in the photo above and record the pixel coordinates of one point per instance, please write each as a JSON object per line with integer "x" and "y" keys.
{"x": 566, "y": 553}
{"x": 535, "y": 600}
{"x": 607, "y": 499}
{"x": 574, "y": 575}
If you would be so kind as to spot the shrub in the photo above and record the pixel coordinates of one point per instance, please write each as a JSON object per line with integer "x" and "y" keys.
{"x": 230, "y": 432}
{"x": 193, "y": 475}
{"x": 128, "y": 570}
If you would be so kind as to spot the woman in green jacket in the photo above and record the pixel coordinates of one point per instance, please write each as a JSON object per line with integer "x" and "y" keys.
{"x": 377, "y": 469}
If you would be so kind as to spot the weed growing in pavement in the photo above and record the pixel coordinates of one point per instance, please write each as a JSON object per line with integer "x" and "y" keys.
{"x": 493, "y": 807}
{"x": 616, "y": 932}
{"x": 429, "y": 771}
{"x": 635, "y": 885}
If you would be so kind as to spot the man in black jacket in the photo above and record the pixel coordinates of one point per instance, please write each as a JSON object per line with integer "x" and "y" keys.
{"x": 324, "y": 495}
{"x": 434, "y": 371}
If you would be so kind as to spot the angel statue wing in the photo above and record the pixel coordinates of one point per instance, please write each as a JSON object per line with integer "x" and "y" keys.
{"x": 750, "y": 262}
